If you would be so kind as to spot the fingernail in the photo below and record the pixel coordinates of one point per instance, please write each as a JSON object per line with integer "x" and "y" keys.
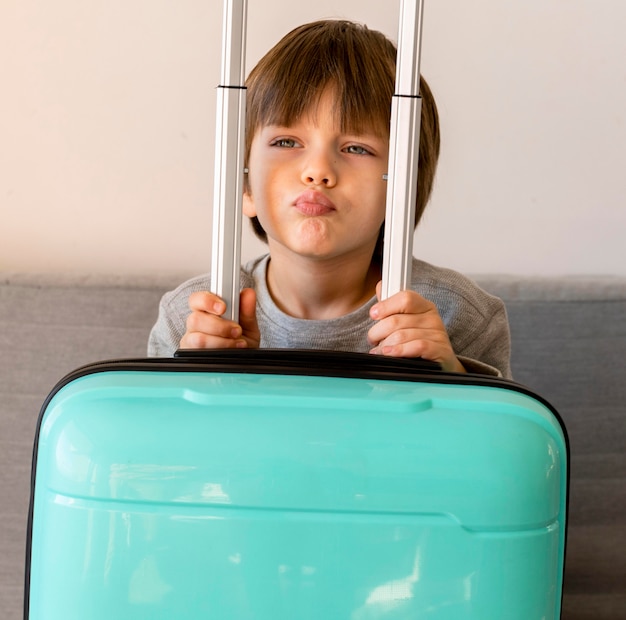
{"x": 241, "y": 344}
{"x": 235, "y": 332}
{"x": 374, "y": 312}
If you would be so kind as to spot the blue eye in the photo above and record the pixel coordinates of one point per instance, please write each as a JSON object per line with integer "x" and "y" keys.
{"x": 286, "y": 143}
{"x": 355, "y": 149}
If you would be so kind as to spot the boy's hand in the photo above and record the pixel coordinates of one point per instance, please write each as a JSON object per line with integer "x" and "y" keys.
{"x": 206, "y": 329}
{"x": 407, "y": 325}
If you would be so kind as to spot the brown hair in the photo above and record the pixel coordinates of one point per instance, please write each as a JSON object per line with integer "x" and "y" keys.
{"x": 360, "y": 64}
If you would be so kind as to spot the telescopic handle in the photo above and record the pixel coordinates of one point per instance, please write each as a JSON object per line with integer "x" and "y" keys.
{"x": 404, "y": 139}
{"x": 229, "y": 152}
{"x": 229, "y": 149}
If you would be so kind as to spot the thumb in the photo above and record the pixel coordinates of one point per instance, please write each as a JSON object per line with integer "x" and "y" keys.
{"x": 247, "y": 317}
{"x": 379, "y": 290}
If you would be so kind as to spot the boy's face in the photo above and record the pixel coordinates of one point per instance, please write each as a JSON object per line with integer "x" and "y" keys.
{"x": 318, "y": 192}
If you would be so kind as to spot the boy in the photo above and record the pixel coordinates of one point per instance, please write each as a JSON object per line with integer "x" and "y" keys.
{"x": 318, "y": 114}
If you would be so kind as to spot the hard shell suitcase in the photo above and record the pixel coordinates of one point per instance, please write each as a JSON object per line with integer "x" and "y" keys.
{"x": 292, "y": 485}
{"x": 281, "y": 485}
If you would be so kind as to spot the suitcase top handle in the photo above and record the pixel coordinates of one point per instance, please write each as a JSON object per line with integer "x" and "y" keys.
{"x": 229, "y": 156}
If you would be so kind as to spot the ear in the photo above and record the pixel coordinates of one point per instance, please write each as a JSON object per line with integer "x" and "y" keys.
{"x": 249, "y": 207}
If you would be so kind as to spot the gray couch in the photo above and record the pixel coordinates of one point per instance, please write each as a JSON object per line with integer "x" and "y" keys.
{"x": 569, "y": 342}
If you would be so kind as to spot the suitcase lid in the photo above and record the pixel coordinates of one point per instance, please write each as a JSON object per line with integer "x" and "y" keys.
{"x": 498, "y": 451}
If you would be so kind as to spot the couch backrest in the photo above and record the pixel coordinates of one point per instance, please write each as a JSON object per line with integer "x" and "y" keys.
{"x": 569, "y": 345}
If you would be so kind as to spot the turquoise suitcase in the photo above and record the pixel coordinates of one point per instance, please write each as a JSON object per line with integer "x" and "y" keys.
{"x": 282, "y": 485}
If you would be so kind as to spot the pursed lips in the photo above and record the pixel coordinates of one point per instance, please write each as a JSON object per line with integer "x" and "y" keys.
{"x": 314, "y": 203}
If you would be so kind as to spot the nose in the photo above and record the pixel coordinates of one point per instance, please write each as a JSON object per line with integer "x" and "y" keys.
{"x": 319, "y": 169}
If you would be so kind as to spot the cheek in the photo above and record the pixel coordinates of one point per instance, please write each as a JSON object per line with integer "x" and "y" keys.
{"x": 379, "y": 196}
{"x": 265, "y": 191}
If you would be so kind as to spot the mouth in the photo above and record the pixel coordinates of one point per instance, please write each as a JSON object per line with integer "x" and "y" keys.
{"x": 314, "y": 203}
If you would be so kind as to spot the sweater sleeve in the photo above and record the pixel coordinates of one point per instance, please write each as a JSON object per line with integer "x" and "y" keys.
{"x": 168, "y": 330}
{"x": 476, "y": 321}
{"x": 490, "y": 352}
{"x": 171, "y": 322}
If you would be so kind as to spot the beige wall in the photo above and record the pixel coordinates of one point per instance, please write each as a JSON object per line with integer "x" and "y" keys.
{"x": 107, "y": 121}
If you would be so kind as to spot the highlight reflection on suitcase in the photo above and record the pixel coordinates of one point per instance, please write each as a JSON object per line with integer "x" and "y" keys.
{"x": 289, "y": 487}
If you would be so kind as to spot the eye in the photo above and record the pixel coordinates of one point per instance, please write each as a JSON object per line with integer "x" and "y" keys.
{"x": 285, "y": 143}
{"x": 356, "y": 149}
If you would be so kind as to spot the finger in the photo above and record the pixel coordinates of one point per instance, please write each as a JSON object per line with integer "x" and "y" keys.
{"x": 201, "y": 340}
{"x": 399, "y": 326}
{"x": 204, "y": 301}
{"x": 383, "y": 329}
{"x": 212, "y": 325}
{"x": 425, "y": 348}
{"x": 406, "y": 334}
{"x": 408, "y": 347}
{"x": 404, "y": 302}
{"x": 247, "y": 316}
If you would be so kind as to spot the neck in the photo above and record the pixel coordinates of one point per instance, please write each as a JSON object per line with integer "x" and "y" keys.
{"x": 324, "y": 289}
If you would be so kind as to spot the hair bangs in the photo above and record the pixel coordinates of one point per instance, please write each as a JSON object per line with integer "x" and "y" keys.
{"x": 359, "y": 64}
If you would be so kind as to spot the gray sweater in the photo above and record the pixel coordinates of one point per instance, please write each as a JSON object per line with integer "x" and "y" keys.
{"x": 476, "y": 321}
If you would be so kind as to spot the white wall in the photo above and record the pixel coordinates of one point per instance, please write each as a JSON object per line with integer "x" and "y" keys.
{"x": 107, "y": 119}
